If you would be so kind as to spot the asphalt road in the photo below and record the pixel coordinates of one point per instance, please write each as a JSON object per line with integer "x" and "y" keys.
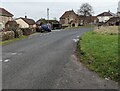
{"x": 47, "y": 61}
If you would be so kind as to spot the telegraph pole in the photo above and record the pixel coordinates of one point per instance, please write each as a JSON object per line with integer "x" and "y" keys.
{"x": 48, "y": 14}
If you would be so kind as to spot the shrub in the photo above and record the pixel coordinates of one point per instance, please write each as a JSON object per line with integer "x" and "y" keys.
{"x": 18, "y": 33}
{"x": 26, "y": 31}
{"x": 13, "y": 26}
{"x": 7, "y": 35}
{"x": 33, "y": 30}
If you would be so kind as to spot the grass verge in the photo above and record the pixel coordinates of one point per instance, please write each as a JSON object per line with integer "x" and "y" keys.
{"x": 100, "y": 54}
{"x": 12, "y": 40}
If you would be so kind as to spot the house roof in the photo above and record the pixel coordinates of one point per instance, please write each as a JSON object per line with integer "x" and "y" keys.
{"x": 67, "y": 13}
{"x": 4, "y": 12}
{"x": 106, "y": 14}
{"x": 27, "y": 20}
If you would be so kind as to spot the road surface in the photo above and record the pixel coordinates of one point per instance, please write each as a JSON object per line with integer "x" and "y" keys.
{"x": 47, "y": 61}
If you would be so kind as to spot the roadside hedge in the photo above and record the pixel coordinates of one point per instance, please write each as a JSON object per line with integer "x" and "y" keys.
{"x": 7, "y": 35}
{"x": 28, "y": 31}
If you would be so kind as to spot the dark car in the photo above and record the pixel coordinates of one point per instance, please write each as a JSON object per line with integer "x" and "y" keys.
{"x": 46, "y": 27}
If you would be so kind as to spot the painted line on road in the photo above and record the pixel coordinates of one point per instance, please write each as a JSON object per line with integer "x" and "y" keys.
{"x": 7, "y": 60}
{"x": 75, "y": 40}
{"x": 56, "y": 30}
{"x": 13, "y": 53}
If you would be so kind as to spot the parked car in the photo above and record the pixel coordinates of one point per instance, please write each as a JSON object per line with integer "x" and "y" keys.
{"x": 46, "y": 27}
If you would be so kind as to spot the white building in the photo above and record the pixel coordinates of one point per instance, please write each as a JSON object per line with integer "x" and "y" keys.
{"x": 25, "y": 22}
{"x": 105, "y": 16}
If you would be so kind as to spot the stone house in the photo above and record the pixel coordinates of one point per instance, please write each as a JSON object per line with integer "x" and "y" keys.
{"x": 25, "y": 22}
{"x": 70, "y": 18}
{"x": 5, "y": 16}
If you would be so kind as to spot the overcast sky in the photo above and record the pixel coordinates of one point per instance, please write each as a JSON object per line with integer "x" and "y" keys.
{"x": 36, "y": 9}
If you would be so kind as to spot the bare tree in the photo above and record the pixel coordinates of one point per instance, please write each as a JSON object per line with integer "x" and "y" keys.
{"x": 85, "y": 10}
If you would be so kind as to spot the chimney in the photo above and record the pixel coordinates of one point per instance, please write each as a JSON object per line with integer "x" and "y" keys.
{"x": 109, "y": 11}
{"x": 25, "y": 16}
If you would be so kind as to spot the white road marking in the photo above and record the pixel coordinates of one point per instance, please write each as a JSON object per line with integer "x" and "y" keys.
{"x": 7, "y": 60}
{"x": 106, "y": 79}
{"x": 1, "y": 60}
{"x": 78, "y": 36}
{"x": 13, "y": 53}
{"x": 75, "y": 40}
{"x": 56, "y": 30}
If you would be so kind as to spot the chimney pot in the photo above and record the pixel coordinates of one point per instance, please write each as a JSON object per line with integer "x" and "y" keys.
{"x": 25, "y": 16}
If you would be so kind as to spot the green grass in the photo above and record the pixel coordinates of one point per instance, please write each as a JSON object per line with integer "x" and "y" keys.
{"x": 100, "y": 53}
{"x": 12, "y": 40}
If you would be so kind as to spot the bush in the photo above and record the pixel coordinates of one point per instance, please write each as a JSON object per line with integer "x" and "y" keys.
{"x": 7, "y": 35}
{"x": 26, "y": 31}
{"x": 18, "y": 33}
{"x": 33, "y": 30}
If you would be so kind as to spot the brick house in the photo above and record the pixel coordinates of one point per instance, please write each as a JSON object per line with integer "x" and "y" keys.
{"x": 70, "y": 18}
{"x": 5, "y": 16}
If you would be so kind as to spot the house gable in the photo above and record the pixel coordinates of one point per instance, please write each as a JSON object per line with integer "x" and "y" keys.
{"x": 4, "y": 12}
{"x": 69, "y": 18}
{"x": 22, "y": 23}
{"x": 29, "y": 21}
{"x": 68, "y": 14}
{"x": 105, "y": 16}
